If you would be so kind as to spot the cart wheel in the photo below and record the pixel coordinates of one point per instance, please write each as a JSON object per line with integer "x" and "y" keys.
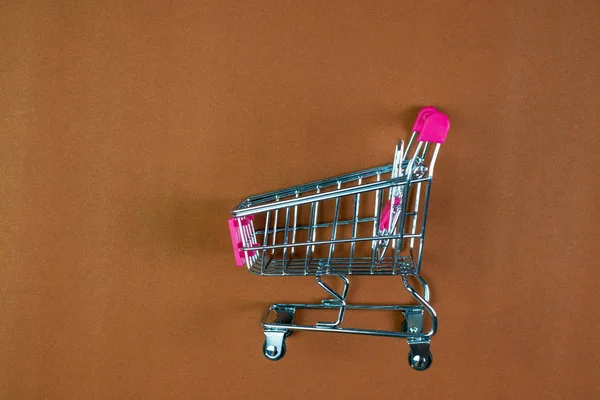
{"x": 404, "y": 327}
{"x": 273, "y": 353}
{"x": 418, "y": 362}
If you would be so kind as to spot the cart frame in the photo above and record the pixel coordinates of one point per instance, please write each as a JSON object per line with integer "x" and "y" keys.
{"x": 397, "y": 238}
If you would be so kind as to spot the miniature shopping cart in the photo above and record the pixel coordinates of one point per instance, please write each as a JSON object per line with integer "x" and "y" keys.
{"x": 370, "y": 222}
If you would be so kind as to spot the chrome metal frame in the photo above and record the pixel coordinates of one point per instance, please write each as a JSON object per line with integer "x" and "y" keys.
{"x": 277, "y": 250}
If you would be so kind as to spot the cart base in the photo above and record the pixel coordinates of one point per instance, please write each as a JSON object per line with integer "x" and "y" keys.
{"x": 282, "y": 325}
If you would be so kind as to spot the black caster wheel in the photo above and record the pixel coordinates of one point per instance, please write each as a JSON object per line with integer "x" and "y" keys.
{"x": 418, "y": 362}
{"x": 273, "y": 353}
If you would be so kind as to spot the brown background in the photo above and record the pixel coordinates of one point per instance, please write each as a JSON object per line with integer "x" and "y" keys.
{"x": 130, "y": 130}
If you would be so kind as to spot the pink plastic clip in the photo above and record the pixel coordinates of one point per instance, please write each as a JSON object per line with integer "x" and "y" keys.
{"x": 435, "y": 128}
{"x": 422, "y": 116}
{"x": 384, "y": 221}
{"x": 237, "y": 226}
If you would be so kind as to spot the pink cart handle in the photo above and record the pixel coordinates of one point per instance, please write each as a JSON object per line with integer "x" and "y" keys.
{"x": 384, "y": 221}
{"x": 421, "y": 117}
{"x": 435, "y": 128}
{"x": 235, "y": 230}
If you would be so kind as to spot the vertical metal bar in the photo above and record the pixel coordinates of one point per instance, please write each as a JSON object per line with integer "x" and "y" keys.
{"x": 285, "y": 239}
{"x": 433, "y": 158}
{"x": 402, "y": 221}
{"x": 275, "y": 228}
{"x": 410, "y": 143}
{"x": 397, "y": 243}
{"x": 424, "y": 150}
{"x": 253, "y": 241}
{"x": 308, "y": 237}
{"x": 397, "y": 163}
{"x": 336, "y": 214}
{"x": 376, "y": 212}
{"x": 415, "y": 215}
{"x": 244, "y": 235}
{"x": 265, "y": 242}
{"x": 354, "y": 226}
{"x": 314, "y": 233}
{"x": 295, "y": 225}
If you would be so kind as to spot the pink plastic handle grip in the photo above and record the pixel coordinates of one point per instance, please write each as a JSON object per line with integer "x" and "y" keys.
{"x": 421, "y": 117}
{"x": 435, "y": 129}
{"x": 236, "y": 239}
{"x": 384, "y": 221}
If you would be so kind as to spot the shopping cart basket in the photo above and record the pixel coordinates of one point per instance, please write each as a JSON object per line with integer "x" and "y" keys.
{"x": 370, "y": 222}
